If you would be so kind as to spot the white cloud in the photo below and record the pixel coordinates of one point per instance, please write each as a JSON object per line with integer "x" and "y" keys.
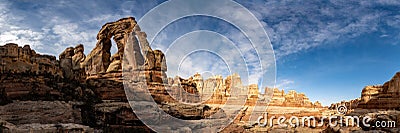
{"x": 70, "y": 34}
{"x": 284, "y": 84}
{"x": 12, "y": 33}
{"x": 22, "y": 37}
{"x": 240, "y": 18}
{"x": 294, "y": 28}
{"x": 50, "y": 27}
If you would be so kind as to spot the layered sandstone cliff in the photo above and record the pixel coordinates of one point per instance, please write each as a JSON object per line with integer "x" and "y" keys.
{"x": 15, "y": 59}
{"x": 291, "y": 99}
{"x": 386, "y": 96}
{"x": 26, "y": 75}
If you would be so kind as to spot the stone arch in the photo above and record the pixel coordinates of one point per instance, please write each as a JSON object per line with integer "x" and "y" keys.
{"x": 100, "y": 58}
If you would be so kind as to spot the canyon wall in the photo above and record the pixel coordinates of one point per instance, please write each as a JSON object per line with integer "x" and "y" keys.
{"x": 386, "y": 96}
{"x": 15, "y": 59}
{"x": 219, "y": 89}
{"x": 290, "y": 99}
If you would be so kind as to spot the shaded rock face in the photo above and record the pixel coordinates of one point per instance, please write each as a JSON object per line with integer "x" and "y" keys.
{"x": 15, "y": 59}
{"x": 66, "y": 62}
{"x": 70, "y": 63}
{"x": 25, "y": 112}
{"x": 77, "y": 60}
{"x": 42, "y": 116}
{"x": 26, "y": 75}
{"x": 71, "y": 60}
{"x": 24, "y": 86}
{"x": 182, "y": 90}
{"x": 48, "y": 128}
{"x": 118, "y": 117}
{"x": 386, "y": 96}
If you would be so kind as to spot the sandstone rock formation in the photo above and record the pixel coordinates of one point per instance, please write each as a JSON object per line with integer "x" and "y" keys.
{"x": 99, "y": 58}
{"x": 216, "y": 89}
{"x": 219, "y": 89}
{"x": 278, "y": 97}
{"x": 253, "y": 91}
{"x": 386, "y": 96}
{"x": 378, "y": 102}
{"x": 15, "y": 59}
{"x": 350, "y": 105}
{"x": 77, "y": 60}
{"x": 66, "y": 62}
{"x": 370, "y": 92}
{"x": 183, "y": 90}
{"x": 28, "y": 75}
{"x": 291, "y": 99}
{"x": 232, "y": 82}
{"x": 71, "y": 63}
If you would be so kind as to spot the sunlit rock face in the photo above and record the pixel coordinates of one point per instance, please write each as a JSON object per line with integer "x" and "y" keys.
{"x": 290, "y": 99}
{"x": 99, "y": 59}
{"x": 386, "y": 96}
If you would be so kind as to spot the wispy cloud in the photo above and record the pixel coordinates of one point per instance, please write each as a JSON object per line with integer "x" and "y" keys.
{"x": 294, "y": 27}
{"x": 50, "y": 27}
{"x": 284, "y": 84}
{"x": 239, "y": 27}
{"x": 10, "y": 32}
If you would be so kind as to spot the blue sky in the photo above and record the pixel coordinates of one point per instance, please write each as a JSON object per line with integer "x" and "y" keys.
{"x": 328, "y": 49}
